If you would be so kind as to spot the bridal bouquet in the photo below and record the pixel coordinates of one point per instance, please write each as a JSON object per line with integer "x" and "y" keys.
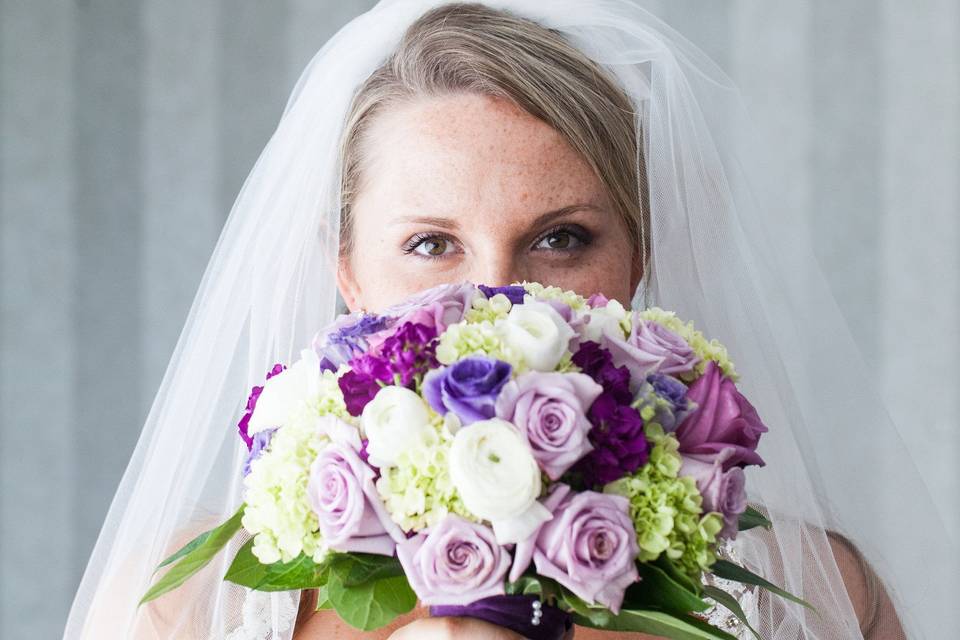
{"x": 520, "y": 454}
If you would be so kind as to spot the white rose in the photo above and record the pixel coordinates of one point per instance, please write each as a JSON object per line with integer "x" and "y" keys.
{"x": 497, "y": 478}
{"x": 606, "y": 320}
{"x": 537, "y": 332}
{"x": 392, "y": 421}
{"x": 287, "y": 394}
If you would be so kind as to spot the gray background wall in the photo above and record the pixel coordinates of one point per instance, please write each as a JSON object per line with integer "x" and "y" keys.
{"x": 127, "y": 127}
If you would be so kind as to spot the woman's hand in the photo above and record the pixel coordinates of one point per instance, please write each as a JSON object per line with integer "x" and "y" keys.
{"x": 447, "y": 628}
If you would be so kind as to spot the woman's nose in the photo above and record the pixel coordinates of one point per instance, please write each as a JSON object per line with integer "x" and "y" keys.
{"x": 496, "y": 269}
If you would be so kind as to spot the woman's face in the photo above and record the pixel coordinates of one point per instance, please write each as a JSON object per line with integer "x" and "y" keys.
{"x": 469, "y": 187}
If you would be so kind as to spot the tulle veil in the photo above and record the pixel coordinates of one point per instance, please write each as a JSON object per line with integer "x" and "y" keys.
{"x": 721, "y": 254}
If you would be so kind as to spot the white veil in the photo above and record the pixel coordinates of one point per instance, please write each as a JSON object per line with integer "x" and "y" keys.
{"x": 721, "y": 255}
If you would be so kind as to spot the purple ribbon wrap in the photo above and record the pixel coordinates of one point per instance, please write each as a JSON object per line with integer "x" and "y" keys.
{"x": 515, "y": 613}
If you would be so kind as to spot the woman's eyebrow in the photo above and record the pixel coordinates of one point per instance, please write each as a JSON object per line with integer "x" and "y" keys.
{"x": 541, "y": 219}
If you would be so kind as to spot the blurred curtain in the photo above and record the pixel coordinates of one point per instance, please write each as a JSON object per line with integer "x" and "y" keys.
{"x": 128, "y": 126}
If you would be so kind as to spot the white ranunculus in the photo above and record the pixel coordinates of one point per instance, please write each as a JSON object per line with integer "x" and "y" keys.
{"x": 606, "y": 320}
{"x": 391, "y": 421}
{"x": 494, "y": 472}
{"x": 287, "y": 394}
{"x": 538, "y": 333}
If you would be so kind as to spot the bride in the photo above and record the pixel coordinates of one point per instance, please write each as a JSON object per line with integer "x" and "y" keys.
{"x": 581, "y": 144}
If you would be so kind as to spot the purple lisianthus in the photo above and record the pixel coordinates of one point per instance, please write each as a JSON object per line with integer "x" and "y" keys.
{"x": 722, "y": 491}
{"x": 722, "y": 419}
{"x": 551, "y": 410}
{"x": 619, "y": 444}
{"x": 650, "y": 348}
{"x": 347, "y": 337}
{"x": 590, "y": 546}
{"x": 454, "y": 563}
{"x": 342, "y": 493}
{"x": 260, "y": 441}
{"x": 244, "y": 425}
{"x": 514, "y": 292}
{"x": 468, "y": 387}
{"x": 667, "y": 396}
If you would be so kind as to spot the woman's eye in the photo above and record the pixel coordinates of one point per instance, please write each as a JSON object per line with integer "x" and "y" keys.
{"x": 431, "y": 247}
{"x": 559, "y": 240}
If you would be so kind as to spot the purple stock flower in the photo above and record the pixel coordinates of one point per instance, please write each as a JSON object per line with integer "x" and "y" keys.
{"x": 455, "y": 562}
{"x": 260, "y": 441}
{"x": 405, "y": 354}
{"x": 619, "y": 443}
{"x": 590, "y": 546}
{"x": 514, "y": 292}
{"x": 468, "y": 387}
{"x": 723, "y": 419}
{"x": 596, "y": 362}
{"x": 243, "y": 425}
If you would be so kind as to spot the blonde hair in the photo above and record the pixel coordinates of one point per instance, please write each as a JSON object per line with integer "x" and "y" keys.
{"x": 470, "y": 48}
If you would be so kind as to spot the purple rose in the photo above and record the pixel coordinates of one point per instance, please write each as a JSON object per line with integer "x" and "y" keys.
{"x": 454, "y": 563}
{"x": 650, "y": 348}
{"x": 722, "y": 491}
{"x": 468, "y": 387}
{"x": 513, "y": 292}
{"x": 722, "y": 419}
{"x": 244, "y": 425}
{"x": 597, "y": 301}
{"x": 590, "y": 546}
{"x": 551, "y": 409}
{"x": 341, "y": 492}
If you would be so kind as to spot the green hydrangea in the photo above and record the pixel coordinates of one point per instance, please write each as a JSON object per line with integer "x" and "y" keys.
{"x": 418, "y": 492}
{"x": 707, "y": 350}
{"x": 540, "y": 292}
{"x": 278, "y": 512}
{"x": 488, "y": 310}
{"x": 667, "y": 510}
{"x": 465, "y": 339}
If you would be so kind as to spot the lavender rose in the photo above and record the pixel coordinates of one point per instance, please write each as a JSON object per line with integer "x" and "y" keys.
{"x": 468, "y": 387}
{"x": 589, "y": 546}
{"x": 651, "y": 347}
{"x": 722, "y": 419}
{"x": 437, "y": 307}
{"x": 342, "y": 493}
{"x": 551, "y": 409}
{"x": 454, "y": 563}
{"x": 722, "y": 491}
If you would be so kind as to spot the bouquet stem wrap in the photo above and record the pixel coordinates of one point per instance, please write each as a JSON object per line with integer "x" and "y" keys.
{"x": 515, "y": 613}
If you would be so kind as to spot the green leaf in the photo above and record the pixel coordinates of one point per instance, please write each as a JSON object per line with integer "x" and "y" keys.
{"x": 368, "y": 567}
{"x": 675, "y": 573}
{"x": 729, "y": 571}
{"x": 658, "y": 623}
{"x": 194, "y": 556}
{"x": 300, "y": 573}
{"x": 370, "y": 605}
{"x": 323, "y": 602}
{"x": 658, "y": 590}
{"x": 728, "y": 601}
{"x": 752, "y": 518}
